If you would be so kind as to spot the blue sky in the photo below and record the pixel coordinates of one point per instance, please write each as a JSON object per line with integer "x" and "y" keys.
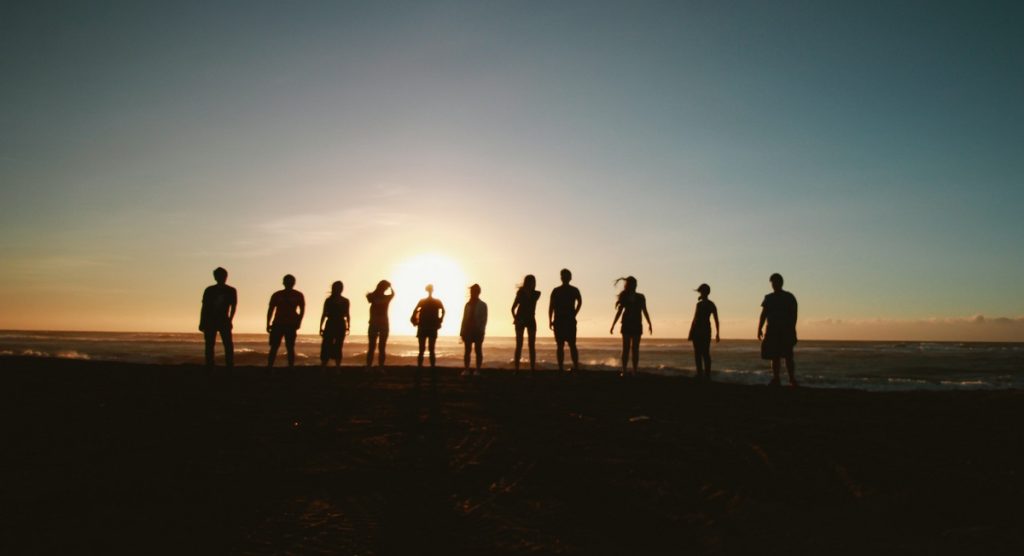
{"x": 870, "y": 152}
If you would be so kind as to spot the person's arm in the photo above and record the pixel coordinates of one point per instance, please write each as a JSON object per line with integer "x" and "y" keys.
{"x": 270, "y": 312}
{"x": 483, "y": 316}
{"x": 233, "y": 306}
{"x": 302, "y": 309}
{"x": 202, "y": 313}
{"x": 718, "y": 329}
{"x": 323, "y": 317}
{"x": 348, "y": 318}
{"x": 441, "y": 319}
{"x": 579, "y": 303}
{"x": 643, "y": 308}
{"x": 617, "y": 315}
{"x": 693, "y": 323}
{"x": 551, "y": 310}
{"x": 415, "y": 311}
{"x": 515, "y": 305}
{"x": 760, "y": 323}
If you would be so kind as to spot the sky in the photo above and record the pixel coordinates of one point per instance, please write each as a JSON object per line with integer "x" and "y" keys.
{"x": 871, "y": 152}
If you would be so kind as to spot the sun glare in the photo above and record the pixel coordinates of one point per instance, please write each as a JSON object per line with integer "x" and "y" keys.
{"x": 410, "y": 277}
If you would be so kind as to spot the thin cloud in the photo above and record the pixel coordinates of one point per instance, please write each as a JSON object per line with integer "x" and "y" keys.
{"x": 304, "y": 230}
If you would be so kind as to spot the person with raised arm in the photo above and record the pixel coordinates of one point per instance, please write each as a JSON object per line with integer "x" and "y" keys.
{"x": 284, "y": 318}
{"x": 778, "y": 310}
{"x": 564, "y": 305}
{"x": 524, "y": 316}
{"x": 379, "y": 300}
{"x": 632, "y": 307}
{"x": 474, "y": 324}
{"x": 220, "y": 301}
{"x": 700, "y": 332}
{"x": 334, "y": 325}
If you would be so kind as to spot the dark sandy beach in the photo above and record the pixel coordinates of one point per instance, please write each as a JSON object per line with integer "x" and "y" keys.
{"x": 116, "y": 458}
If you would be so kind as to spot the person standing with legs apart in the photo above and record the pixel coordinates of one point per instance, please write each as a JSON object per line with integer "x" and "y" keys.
{"x": 474, "y": 323}
{"x": 428, "y": 317}
{"x": 287, "y": 307}
{"x": 564, "y": 305}
{"x": 700, "y": 332}
{"x": 524, "y": 316}
{"x": 220, "y": 301}
{"x": 632, "y": 307}
{"x": 779, "y": 310}
{"x": 379, "y": 300}
{"x": 334, "y": 325}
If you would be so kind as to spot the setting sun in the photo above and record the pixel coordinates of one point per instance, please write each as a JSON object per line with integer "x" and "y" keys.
{"x": 410, "y": 277}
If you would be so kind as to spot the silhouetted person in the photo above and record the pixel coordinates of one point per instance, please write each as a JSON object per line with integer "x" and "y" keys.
{"x": 700, "y": 331}
{"x": 379, "y": 299}
{"x": 220, "y": 301}
{"x": 779, "y": 310}
{"x": 474, "y": 324}
{"x": 334, "y": 325}
{"x": 427, "y": 317}
{"x": 564, "y": 305}
{"x": 631, "y": 306}
{"x": 287, "y": 307}
{"x": 524, "y": 316}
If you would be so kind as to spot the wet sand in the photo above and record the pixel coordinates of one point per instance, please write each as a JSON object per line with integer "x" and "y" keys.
{"x": 116, "y": 458}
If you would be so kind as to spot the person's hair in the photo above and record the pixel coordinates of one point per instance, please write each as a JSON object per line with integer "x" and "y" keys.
{"x": 336, "y": 288}
{"x": 628, "y": 288}
{"x": 775, "y": 278}
{"x": 289, "y": 280}
{"x": 474, "y": 290}
{"x": 529, "y": 283}
{"x": 566, "y": 275}
{"x": 219, "y": 274}
{"x": 382, "y": 287}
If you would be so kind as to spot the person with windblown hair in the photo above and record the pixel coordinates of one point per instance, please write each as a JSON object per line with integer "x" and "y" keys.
{"x": 474, "y": 323}
{"x": 524, "y": 316}
{"x": 334, "y": 325}
{"x": 632, "y": 307}
{"x": 700, "y": 332}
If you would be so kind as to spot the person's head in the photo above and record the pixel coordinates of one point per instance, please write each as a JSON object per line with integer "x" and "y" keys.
{"x": 566, "y": 276}
{"x": 474, "y": 291}
{"x": 529, "y": 283}
{"x": 382, "y": 287}
{"x": 288, "y": 281}
{"x": 430, "y": 290}
{"x": 628, "y": 288}
{"x": 337, "y": 288}
{"x": 776, "y": 280}
{"x": 220, "y": 275}
{"x": 704, "y": 290}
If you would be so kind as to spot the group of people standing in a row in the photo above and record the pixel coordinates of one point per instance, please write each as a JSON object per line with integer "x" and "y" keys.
{"x": 288, "y": 306}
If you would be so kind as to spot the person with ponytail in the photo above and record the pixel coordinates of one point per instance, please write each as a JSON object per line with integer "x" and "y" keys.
{"x": 524, "y": 316}
{"x": 632, "y": 307}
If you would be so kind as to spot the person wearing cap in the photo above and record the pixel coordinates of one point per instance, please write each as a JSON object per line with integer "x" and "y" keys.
{"x": 474, "y": 323}
{"x": 779, "y": 311}
{"x": 700, "y": 332}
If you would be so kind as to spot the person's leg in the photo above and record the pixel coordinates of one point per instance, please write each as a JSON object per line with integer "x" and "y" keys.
{"x": 431, "y": 343}
{"x": 560, "y": 353}
{"x": 791, "y": 369}
{"x": 289, "y": 344}
{"x": 229, "y": 347}
{"x": 625, "y": 353}
{"x": 382, "y": 351}
{"x": 519, "y": 344}
{"x": 423, "y": 346}
{"x": 341, "y": 349}
{"x": 467, "y": 342}
{"x": 698, "y": 361}
{"x": 210, "y": 337}
{"x": 325, "y": 348}
{"x": 573, "y": 352}
{"x": 636, "y": 352}
{"x": 275, "y": 343}
{"x": 707, "y": 363}
{"x": 479, "y": 344}
{"x": 775, "y": 372}
{"x": 373, "y": 334}
{"x": 532, "y": 334}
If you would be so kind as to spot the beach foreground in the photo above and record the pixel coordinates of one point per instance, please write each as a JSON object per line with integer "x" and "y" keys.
{"x": 119, "y": 458}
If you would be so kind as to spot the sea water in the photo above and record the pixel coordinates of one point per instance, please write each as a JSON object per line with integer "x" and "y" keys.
{"x": 831, "y": 364}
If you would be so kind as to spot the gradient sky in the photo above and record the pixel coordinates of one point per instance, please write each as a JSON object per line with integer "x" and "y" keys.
{"x": 871, "y": 152}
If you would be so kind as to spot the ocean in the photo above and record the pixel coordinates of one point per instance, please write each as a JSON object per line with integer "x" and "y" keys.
{"x": 826, "y": 364}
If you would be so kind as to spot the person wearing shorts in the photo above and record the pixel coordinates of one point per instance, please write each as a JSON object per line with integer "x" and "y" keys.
{"x": 284, "y": 317}
{"x": 779, "y": 311}
{"x": 563, "y": 306}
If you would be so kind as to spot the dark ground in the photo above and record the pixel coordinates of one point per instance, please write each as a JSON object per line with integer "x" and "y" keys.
{"x": 112, "y": 458}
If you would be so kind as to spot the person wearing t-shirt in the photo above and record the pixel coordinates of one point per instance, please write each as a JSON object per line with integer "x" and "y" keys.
{"x": 564, "y": 305}
{"x": 427, "y": 317}
{"x": 284, "y": 317}
{"x": 700, "y": 332}
{"x": 474, "y": 324}
{"x": 778, "y": 310}
{"x": 220, "y": 301}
